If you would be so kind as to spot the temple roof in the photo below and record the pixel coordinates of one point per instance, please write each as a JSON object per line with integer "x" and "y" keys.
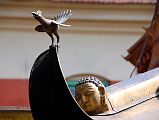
{"x": 109, "y": 1}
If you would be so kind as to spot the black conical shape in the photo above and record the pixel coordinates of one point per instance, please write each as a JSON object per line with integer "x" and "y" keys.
{"x": 49, "y": 95}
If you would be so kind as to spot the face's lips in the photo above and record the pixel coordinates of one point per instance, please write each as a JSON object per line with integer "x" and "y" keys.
{"x": 87, "y": 108}
{"x": 86, "y": 105}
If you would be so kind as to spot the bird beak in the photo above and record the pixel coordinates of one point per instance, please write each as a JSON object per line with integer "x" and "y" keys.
{"x": 33, "y": 13}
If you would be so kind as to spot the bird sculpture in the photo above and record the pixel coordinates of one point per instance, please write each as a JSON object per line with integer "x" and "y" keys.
{"x": 50, "y": 26}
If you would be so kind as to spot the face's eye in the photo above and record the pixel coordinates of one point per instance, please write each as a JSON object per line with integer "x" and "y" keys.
{"x": 89, "y": 93}
{"x": 39, "y": 12}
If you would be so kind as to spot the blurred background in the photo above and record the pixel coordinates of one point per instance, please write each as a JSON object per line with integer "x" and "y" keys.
{"x": 101, "y": 32}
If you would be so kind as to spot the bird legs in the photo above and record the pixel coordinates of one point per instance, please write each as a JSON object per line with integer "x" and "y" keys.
{"x": 52, "y": 38}
{"x": 58, "y": 40}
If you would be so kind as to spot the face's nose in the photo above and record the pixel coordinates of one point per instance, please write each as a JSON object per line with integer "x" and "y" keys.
{"x": 84, "y": 98}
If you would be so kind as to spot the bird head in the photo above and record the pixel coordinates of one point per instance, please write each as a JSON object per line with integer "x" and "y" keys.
{"x": 37, "y": 15}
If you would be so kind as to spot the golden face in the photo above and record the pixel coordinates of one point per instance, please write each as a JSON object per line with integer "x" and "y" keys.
{"x": 88, "y": 97}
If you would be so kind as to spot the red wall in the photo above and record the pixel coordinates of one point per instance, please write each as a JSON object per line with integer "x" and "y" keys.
{"x": 14, "y": 92}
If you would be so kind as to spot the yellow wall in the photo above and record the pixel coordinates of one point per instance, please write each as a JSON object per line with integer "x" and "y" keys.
{"x": 99, "y": 35}
{"x": 11, "y": 115}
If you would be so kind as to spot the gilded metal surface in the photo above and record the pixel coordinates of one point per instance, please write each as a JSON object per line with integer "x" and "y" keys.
{"x": 133, "y": 91}
{"x": 91, "y": 96}
{"x": 147, "y": 110}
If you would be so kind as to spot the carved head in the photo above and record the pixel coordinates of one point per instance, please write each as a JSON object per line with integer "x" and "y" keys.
{"x": 37, "y": 15}
{"x": 90, "y": 95}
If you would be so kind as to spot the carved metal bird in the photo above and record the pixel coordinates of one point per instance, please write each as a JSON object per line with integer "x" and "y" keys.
{"x": 50, "y": 26}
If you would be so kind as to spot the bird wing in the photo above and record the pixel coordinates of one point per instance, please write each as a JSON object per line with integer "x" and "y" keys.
{"x": 55, "y": 22}
{"x": 62, "y": 17}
